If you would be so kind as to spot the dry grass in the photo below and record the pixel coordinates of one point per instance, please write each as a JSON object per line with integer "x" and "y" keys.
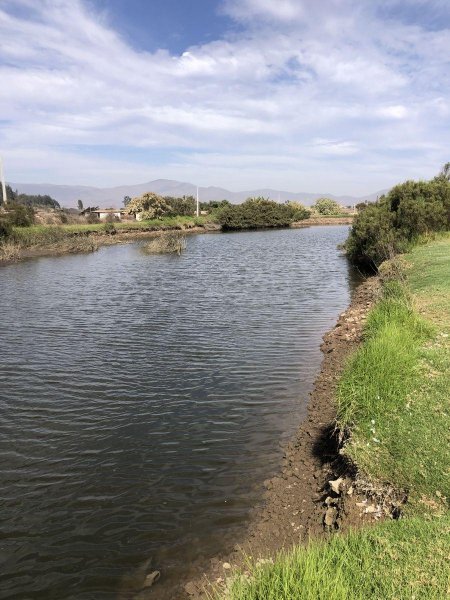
{"x": 171, "y": 242}
{"x": 9, "y": 251}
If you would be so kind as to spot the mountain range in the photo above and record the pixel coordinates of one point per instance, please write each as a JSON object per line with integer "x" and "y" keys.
{"x": 68, "y": 195}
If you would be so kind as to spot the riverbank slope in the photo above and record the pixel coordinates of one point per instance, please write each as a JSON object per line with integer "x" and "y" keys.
{"x": 381, "y": 439}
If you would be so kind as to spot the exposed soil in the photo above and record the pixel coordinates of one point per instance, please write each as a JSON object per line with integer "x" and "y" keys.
{"x": 324, "y": 221}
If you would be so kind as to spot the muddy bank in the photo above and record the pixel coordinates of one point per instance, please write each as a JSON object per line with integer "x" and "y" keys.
{"x": 299, "y": 502}
{"x": 324, "y": 221}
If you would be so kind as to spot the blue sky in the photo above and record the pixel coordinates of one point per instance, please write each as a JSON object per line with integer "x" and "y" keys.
{"x": 337, "y": 96}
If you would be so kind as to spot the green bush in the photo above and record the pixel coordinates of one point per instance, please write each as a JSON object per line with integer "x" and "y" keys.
{"x": 149, "y": 206}
{"x": 109, "y": 228}
{"x": 327, "y": 207}
{"x": 258, "y": 213}
{"x": 19, "y": 215}
{"x": 390, "y": 225}
{"x": 5, "y": 229}
{"x": 184, "y": 207}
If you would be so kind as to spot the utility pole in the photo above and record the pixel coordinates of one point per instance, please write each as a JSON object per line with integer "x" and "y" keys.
{"x": 197, "y": 211}
{"x": 5, "y": 199}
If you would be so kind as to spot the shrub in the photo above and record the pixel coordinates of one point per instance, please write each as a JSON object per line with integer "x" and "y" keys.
{"x": 172, "y": 242}
{"x": 184, "y": 207}
{"x": 149, "y": 206}
{"x": 256, "y": 213}
{"x": 109, "y": 228}
{"x": 19, "y": 215}
{"x": 5, "y": 229}
{"x": 300, "y": 211}
{"x": 92, "y": 218}
{"x": 390, "y": 225}
{"x": 327, "y": 207}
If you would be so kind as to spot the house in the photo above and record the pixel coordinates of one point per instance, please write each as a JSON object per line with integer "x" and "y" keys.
{"x": 104, "y": 213}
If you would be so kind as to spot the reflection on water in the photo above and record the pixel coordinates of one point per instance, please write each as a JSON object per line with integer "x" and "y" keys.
{"x": 143, "y": 399}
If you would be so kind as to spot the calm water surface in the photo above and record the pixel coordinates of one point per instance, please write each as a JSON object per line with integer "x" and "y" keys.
{"x": 143, "y": 400}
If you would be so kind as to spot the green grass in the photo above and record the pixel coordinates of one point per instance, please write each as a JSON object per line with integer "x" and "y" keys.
{"x": 380, "y": 563}
{"x": 39, "y": 235}
{"x": 393, "y": 396}
{"x": 393, "y": 401}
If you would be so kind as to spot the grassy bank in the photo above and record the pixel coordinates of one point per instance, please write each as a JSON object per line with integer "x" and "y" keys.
{"x": 50, "y": 234}
{"x": 35, "y": 240}
{"x": 393, "y": 404}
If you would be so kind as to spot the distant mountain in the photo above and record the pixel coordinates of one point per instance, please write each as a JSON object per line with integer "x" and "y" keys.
{"x": 68, "y": 195}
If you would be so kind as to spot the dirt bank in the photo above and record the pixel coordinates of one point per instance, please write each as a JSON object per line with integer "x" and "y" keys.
{"x": 299, "y": 502}
{"x": 323, "y": 221}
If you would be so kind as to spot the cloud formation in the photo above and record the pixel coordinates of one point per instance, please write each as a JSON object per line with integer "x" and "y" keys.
{"x": 335, "y": 95}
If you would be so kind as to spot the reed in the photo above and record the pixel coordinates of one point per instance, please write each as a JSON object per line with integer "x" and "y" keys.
{"x": 170, "y": 242}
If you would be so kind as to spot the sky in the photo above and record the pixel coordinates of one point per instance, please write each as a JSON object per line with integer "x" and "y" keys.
{"x": 337, "y": 96}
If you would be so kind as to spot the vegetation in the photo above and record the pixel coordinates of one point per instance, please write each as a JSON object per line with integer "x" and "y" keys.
{"x": 397, "y": 560}
{"x": 393, "y": 395}
{"x": 393, "y": 406}
{"x": 148, "y": 206}
{"x": 257, "y": 213}
{"x": 327, "y": 207}
{"x": 396, "y": 221}
{"x": 19, "y": 215}
{"x": 184, "y": 206}
{"x": 171, "y": 242}
{"x": 36, "y": 201}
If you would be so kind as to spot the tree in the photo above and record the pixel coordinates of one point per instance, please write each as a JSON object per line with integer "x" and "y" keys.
{"x": 80, "y": 205}
{"x": 445, "y": 172}
{"x": 149, "y": 206}
{"x": 126, "y": 200}
{"x": 327, "y": 207}
{"x": 11, "y": 195}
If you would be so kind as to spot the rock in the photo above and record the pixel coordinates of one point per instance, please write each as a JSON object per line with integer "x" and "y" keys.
{"x": 191, "y": 589}
{"x": 336, "y": 485}
{"x": 226, "y": 566}
{"x": 330, "y": 516}
{"x": 151, "y": 579}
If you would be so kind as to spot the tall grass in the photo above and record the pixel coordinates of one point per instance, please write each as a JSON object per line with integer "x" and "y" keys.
{"x": 171, "y": 242}
{"x": 393, "y": 397}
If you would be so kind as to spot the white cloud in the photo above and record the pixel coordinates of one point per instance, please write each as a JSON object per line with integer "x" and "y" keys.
{"x": 282, "y": 10}
{"x": 306, "y": 89}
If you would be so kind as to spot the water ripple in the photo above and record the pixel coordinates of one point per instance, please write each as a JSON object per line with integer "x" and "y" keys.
{"x": 143, "y": 400}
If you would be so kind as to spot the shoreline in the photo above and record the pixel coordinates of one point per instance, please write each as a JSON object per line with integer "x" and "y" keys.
{"x": 294, "y": 507}
{"x": 70, "y": 245}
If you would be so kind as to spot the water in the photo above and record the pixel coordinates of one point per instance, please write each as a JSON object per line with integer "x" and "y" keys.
{"x": 143, "y": 400}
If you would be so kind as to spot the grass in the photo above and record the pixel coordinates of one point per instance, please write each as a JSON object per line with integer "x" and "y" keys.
{"x": 393, "y": 396}
{"x": 380, "y": 563}
{"x": 171, "y": 242}
{"x": 44, "y": 235}
{"x": 393, "y": 402}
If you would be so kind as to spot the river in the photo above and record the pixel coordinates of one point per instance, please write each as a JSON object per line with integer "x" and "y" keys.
{"x": 144, "y": 400}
